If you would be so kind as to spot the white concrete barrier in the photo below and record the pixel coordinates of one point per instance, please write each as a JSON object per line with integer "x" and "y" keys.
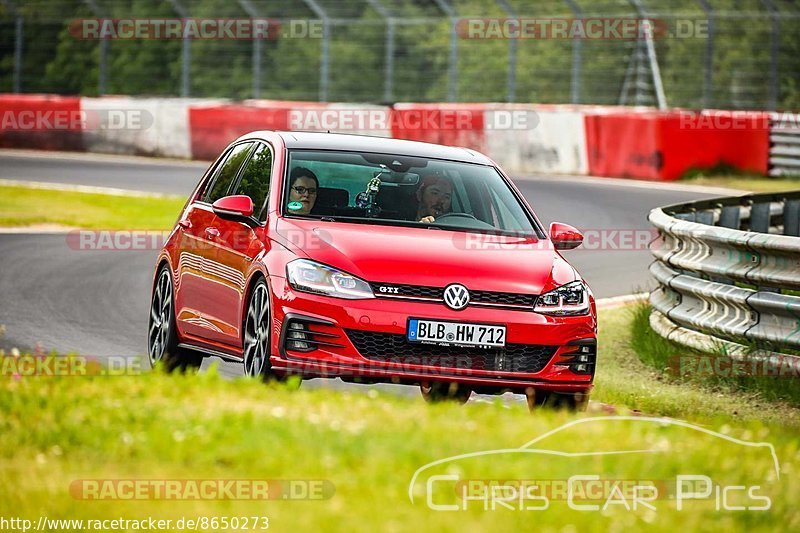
{"x": 537, "y": 139}
{"x": 157, "y": 127}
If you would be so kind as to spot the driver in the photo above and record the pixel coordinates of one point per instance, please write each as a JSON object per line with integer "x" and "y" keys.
{"x": 434, "y": 197}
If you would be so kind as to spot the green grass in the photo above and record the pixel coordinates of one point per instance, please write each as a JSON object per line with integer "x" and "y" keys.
{"x": 715, "y": 373}
{"x": 23, "y": 206}
{"x": 731, "y": 178}
{"x": 368, "y": 445}
{"x": 749, "y": 184}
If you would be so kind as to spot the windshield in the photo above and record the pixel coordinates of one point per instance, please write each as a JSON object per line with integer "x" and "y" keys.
{"x": 402, "y": 190}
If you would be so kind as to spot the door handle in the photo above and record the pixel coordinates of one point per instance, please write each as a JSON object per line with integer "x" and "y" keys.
{"x": 185, "y": 223}
{"x": 212, "y": 233}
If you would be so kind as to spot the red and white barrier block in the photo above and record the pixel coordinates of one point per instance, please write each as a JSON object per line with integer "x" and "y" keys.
{"x": 155, "y": 127}
{"x": 45, "y": 122}
{"x": 525, "y": 139}
{"x": 663, "y": 145}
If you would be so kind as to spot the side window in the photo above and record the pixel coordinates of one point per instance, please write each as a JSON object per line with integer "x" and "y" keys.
{"x": 226, "y": 173}
{"x": 255, "y": 180}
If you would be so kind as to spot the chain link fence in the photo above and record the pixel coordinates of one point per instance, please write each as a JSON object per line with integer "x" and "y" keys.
{"x": 738, "y": 54}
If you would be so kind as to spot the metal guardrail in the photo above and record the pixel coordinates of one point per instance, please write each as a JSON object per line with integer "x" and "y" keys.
{"x": 728, "y": 273}
{"x": 784, "y": 145}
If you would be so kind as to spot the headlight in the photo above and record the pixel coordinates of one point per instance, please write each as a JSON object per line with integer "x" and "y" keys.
{"x": 567, "y": 300}
{"x": 316, "y": 278}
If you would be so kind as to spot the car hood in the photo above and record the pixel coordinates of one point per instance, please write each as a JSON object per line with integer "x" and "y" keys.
{"x": 429, "y": 257}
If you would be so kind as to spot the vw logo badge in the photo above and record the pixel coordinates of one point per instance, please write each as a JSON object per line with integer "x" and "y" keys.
{"x": 456, "y": 296}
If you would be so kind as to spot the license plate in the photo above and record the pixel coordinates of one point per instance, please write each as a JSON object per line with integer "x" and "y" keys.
{"x": 455, "y": 333}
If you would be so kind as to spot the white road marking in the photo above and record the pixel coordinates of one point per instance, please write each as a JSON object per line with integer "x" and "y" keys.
{"x": 637, "y": 184}
{"x": 110, "y": 158}
{"x": 112, "y": 191}
{"x": 620, "y": 301}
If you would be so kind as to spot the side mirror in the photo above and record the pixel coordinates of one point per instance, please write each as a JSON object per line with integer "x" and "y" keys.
{"x": 564, "y": 236}
{"x": 236, "y": 207}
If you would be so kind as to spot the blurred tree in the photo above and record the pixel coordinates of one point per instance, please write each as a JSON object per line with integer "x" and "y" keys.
{"x": 54, "y": 60}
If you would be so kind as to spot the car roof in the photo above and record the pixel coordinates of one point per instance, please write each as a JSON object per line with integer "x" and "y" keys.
{"x": 366, "y": 143}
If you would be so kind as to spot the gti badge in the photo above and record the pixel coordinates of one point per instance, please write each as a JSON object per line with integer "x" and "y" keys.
{"x": 389, "y": 290}
{"x": 456, "y": 296}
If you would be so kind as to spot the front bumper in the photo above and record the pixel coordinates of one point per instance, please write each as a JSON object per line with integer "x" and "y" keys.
{"x": 333, "y": 322}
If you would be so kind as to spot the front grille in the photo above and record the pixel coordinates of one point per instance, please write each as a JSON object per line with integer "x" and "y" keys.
{"x": 502, "y": 298}
{"x": 436, "y": 294}
{"x": 392, "y": 348}
{"x": 408, "y": 291}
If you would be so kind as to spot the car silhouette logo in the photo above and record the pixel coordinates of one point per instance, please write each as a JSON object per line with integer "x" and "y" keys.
{"x": 456, "y": 296}
{"x": 530, "y": 448}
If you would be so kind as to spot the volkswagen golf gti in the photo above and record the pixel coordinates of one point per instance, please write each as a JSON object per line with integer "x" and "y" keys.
{"x": 373, "y": 260}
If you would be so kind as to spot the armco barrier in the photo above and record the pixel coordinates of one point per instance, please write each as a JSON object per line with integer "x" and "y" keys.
{"x": 728, "y": 270}
{"x": 44, "y": 122}
{"x": 784, "y": 144}
{"x": 656, "y": 145}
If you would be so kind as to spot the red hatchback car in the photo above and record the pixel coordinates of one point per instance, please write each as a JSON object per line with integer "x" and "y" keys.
{"x": 373, "y": 260}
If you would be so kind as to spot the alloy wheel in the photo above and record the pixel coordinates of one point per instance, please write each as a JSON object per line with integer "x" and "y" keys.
{"x": 257, "y": 332}
{"x": 160, "y": 314}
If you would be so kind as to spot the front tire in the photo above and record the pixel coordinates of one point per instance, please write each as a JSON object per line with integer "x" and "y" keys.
{"x": 570, "y": 401}
{"x": 258, "y": 334}
{"x": 440, "y": 392}
{"x": 162, "y": 338}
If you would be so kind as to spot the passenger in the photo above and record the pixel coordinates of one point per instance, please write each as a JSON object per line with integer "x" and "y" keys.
{"x": 434, "y": 197}
{"x": 303, "y": 188}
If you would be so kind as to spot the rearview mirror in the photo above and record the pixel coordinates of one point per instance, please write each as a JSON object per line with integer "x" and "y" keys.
{"x": 238, "y": 207}
{"x": 564, "y": 236}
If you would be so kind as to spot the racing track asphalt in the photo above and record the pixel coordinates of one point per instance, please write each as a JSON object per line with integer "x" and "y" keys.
{"x": 96, "y": 302}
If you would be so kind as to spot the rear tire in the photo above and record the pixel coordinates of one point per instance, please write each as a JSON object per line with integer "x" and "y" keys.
{"x": 162, "y": 337}
{"x": 442, "y": 392}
